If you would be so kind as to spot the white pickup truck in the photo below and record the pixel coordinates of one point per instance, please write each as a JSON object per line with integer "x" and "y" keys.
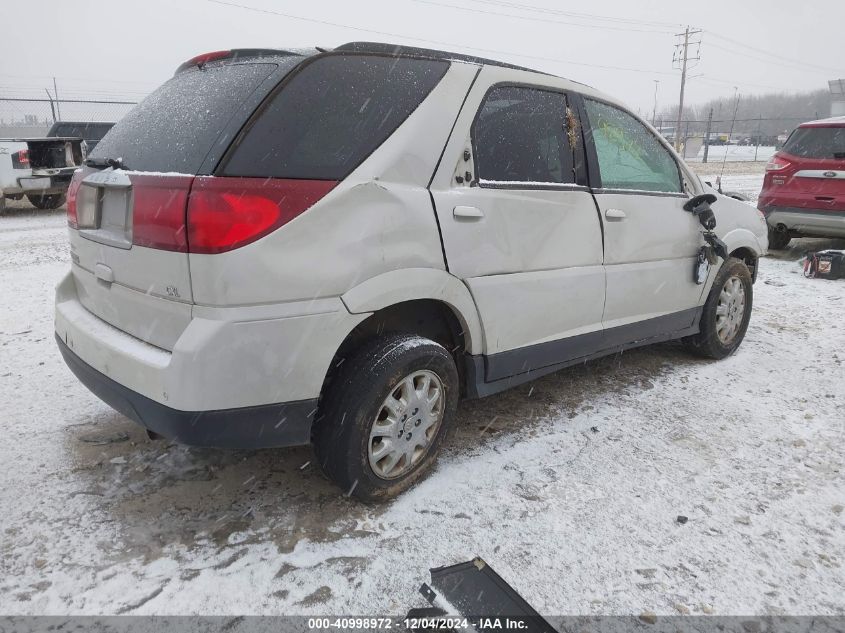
{"x": 38, "y": 168}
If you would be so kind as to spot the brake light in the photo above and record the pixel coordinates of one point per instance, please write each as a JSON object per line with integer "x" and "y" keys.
{"x": 20, "y": 159}
{"x": 777, "y": 163}
{"x": 201, "y": 60}
{"x": 72, "y": 191}
{"x": 227, "y": 213}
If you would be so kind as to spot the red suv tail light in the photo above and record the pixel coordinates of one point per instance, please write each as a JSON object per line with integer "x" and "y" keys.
{"x": 227, "y": 213}
{"x": 20, "y": 159}
{"x": 777, "y": 163}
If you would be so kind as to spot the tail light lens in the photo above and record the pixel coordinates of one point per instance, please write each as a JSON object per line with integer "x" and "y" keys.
{"x": 158, "y": 211}
{"x": 72, "y": 192}
{"x": 777, "y": 163}
{"x": 20, "y": 159}
{"x": 227, "y": 213}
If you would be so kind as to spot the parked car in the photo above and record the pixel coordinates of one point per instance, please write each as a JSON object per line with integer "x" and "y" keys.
{"x": 89, "y": 131}
{"x": 38, "y": 168}
{"x": 803, "y": 191}
{"x": 292, "y": 247}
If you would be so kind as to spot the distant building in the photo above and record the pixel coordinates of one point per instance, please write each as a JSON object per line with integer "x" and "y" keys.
{"x": 837, "y": 97}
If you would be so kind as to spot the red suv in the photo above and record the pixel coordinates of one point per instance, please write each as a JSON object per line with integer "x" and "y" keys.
{"x": 804, "y": 189}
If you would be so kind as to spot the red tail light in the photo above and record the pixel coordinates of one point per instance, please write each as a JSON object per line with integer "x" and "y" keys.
{"x": 158, "y": 211}
{"x": 227, "y": 213}
{"x": 777, "y": 163}
{"x": 72, "y": 190}
{"x": 20, "y": 159}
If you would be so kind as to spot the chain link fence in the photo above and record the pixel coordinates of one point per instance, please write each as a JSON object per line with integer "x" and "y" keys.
{"x": 702, "y": 140}
{"x": 20, "y": 117}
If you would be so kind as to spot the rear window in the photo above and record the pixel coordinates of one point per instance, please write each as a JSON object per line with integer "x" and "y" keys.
{"x": 816, "y": 142}
{"x": 330, "y": 116}
{"x": 174, "y": 128}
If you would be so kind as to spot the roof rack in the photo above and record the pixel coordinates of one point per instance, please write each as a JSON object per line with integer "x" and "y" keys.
{"x": 414, "y": 51}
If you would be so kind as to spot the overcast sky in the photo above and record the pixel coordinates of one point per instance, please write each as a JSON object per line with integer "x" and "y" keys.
{"x": 125, "y": 49}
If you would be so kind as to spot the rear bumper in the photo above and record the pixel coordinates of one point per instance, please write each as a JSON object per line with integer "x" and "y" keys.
{"x": 810, "y": 222}
{"x": 43, "y": 182}
{"x": 282, "y": 424}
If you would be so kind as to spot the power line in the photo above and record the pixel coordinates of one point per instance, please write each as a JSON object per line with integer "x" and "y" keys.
{"x": 541, "y": 20}
{"x": 768, "y": 61}
{"x": 436, "y": 42}
{"x": 771, "y": 54}
{"x": 575, "y": 14}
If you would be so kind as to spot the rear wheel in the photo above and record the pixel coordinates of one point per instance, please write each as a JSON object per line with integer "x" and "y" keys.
{"x": 778, "y": 239}
{"x": 725, "y": 316}
{"x": 47, "y": 201}
{"x": 384, "y": 417}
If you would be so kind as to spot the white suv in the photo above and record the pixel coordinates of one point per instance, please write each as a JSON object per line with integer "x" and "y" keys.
{"x": 291, "y": 247}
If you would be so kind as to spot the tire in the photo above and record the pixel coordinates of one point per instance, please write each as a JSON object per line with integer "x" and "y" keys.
{"x": 47, "y": 201}
{"x": 719, "y": 338}
{"x": 778, "y": 239}
{"x": 358, "y": 395}
{"x": 2, "y": 205}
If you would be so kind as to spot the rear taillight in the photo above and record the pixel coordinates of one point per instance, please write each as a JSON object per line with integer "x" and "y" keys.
{"x": 227, "y": 213}
{"x": 158, "y": 211}
{"x": 777, "y": 163}
{"x": 20, "y": 159}
{"x": 72, "y": 192}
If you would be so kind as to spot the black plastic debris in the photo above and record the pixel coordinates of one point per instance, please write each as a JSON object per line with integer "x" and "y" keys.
{"x": 472, "y": 590}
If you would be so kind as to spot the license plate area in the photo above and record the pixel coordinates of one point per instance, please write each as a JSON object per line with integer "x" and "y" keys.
{"x": 104, "y": 209}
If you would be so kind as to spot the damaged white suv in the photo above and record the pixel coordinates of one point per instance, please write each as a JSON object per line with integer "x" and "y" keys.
{"x": 289, "y": 247}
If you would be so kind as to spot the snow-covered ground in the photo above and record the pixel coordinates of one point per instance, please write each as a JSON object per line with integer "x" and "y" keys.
{"x": 570, "y": 487}
{"x": 734, "y": 153}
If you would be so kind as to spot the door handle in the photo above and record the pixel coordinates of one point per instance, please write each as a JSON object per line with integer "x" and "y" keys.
{"x": 473, "y": 213}
{"x": 615, "y": 214}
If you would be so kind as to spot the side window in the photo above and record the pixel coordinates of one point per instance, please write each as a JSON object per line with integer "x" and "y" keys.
{"x": 520, "y": 137}
{"x": 630, "y": 157}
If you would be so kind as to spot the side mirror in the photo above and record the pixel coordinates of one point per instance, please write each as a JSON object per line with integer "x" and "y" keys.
{"x": 700, "y": 206}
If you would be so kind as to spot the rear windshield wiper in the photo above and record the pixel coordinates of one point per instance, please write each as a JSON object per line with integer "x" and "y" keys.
{"x": 102, "y": 163}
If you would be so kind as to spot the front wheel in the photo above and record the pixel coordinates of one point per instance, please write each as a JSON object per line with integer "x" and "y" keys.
{"x": 726, "y": 313}
{"x": 46, "y": 201}
{"x": 385, "y": 415}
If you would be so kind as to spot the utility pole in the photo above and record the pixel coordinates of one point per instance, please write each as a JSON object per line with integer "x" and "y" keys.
{"x": 707, "y": 135}
{"x": 654, "y": 112}
{"x": 759, "y": 126}
{"x": 52, "y": 107}
{"x": 56, "y": 93}
{"x": 682, "y": 57}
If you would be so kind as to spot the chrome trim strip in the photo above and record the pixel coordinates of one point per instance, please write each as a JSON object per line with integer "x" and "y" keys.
{"x": 827, "y": 174}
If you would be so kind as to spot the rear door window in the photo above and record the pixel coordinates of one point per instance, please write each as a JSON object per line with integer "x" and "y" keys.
{"x": 174, "y": 128}
{"x": 629, "y": 155}
{"x": 520, "y": 137}
{"x": 331, "y": 115}
{"x": 816, "y": 142}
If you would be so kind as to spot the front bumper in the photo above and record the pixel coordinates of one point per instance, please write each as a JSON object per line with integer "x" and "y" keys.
{"x": 282, "y": 424}
{"x": 809, "y": 222}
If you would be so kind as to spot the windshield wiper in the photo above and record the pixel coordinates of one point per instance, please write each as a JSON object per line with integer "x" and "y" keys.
{"x": 116, "y": 163}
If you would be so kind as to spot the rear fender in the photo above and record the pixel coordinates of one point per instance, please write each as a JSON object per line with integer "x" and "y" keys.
{"x": 410, "y": 284}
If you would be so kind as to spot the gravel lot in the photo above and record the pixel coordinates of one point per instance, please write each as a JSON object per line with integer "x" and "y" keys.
{"x": 570, "y": 487}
